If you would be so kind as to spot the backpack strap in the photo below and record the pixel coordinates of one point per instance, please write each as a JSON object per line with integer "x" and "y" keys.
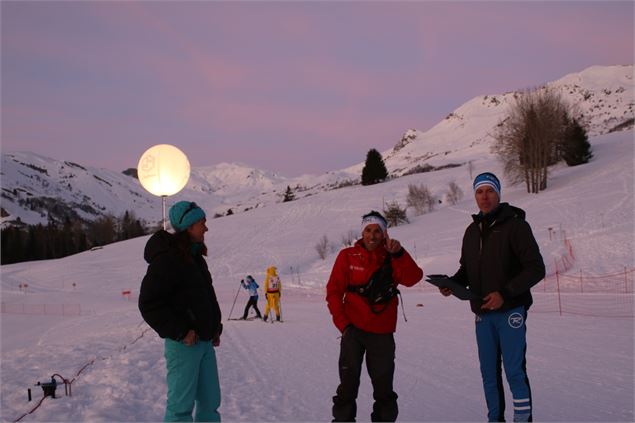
{"x": 361, "y": 289}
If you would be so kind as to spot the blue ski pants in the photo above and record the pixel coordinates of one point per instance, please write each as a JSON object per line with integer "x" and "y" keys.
{"x": 192, "y": 380}
{"x": 501, "y": 339}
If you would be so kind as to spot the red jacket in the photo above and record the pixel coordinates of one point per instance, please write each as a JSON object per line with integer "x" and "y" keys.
{"x": 354, "y": 266}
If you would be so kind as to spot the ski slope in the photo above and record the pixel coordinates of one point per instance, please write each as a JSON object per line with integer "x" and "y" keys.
{"x": 581, "y": 368}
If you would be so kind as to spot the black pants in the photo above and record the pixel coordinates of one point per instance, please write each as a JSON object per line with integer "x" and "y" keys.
{"x": 380, "y": 362}
{"x": 251, "y": 303}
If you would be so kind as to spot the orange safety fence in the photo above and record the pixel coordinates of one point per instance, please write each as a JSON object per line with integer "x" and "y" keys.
{"x": 42, "y": 309}
{"x": 609, "y": 295}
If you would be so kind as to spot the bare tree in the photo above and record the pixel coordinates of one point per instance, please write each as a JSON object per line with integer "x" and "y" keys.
{"x": 527, "y": 139}
{"x": 322, "y": 247}
{"x": 420, "y": 199}
{"x": 455, "y": 193}
{"x": 349, "y": 238}
{"x": 395, "y": 214}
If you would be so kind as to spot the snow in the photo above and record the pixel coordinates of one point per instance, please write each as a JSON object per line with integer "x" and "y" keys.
{"x": 581, "y": 368}
{"x": 604, "y": 94}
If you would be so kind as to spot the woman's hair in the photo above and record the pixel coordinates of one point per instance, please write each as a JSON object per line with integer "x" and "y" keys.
{"x": 184, "y": 246}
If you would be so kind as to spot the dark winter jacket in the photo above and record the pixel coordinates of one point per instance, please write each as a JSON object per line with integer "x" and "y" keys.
{"x": 354, "y": 266}
{"x": 500, "y": 253}
{"x": 176, "y": 294}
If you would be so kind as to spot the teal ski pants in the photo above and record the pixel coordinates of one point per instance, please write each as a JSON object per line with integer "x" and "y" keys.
{"x": 192, "y": 380}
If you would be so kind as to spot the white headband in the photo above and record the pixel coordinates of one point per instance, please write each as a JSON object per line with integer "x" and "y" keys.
{"x": 370, "y": 220}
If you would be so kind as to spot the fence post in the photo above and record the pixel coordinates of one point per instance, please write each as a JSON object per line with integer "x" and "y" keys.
{"x": 544, "y": 284}
{"x": 581, "y": 289}
{"x": 558, "y": 289}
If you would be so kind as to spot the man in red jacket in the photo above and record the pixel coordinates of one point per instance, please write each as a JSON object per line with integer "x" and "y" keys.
{"x": 367, "y": 326}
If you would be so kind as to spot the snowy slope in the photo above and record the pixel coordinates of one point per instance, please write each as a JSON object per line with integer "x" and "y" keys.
{"x": 605, "y": 95}
{"x": 581, "y": 368}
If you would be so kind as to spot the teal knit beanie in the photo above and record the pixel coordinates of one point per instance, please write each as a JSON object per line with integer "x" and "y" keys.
{"x": 184, "y": 214}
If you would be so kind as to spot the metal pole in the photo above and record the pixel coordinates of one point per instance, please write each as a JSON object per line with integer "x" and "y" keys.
{"x": 558, "y": 287}
{"x": 165, "y": 228}
{"x": 581, "y": 289}
{"x": 235, "y": 298}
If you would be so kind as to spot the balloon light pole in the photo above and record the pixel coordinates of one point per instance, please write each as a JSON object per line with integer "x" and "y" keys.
{"x": 163, "y": 170}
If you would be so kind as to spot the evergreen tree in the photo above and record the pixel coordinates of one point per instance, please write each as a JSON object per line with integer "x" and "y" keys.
{"x": 13, "y": 245}
{"x": 576, "y": 149}
{"x": 374, "y": 170}
{"x": 288, "y": 195}
{"x": 125, "y": 226}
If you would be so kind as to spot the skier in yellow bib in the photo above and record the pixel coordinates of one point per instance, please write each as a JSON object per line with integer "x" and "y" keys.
{"x": 273, "y": 291}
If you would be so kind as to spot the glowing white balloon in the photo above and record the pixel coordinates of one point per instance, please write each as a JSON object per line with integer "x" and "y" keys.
{"x": 163, "y": 170}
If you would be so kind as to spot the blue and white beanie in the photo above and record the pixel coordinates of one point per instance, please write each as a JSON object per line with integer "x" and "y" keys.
{"x": 490, "y": 179}
{"x": 184, "y": 214}
{"x": 376, "y": 219}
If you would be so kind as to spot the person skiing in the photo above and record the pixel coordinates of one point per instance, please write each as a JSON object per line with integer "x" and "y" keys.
{"x": 177, "y": 299}
{"x": 500, "y": 262}
{"x": 252, "y": 287}
{"x": 273, "y": 292}
{"x": 368, "y": 322}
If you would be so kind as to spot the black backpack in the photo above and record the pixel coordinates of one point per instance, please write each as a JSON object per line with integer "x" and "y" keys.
{"x": 379, "y": 289}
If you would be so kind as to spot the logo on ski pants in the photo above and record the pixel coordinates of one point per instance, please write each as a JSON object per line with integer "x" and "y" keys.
{"x": 515, "y": 320}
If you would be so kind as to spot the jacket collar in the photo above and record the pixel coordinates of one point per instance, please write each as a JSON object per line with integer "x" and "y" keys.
{"x": 379, "y": 252}
{"x": 503, "y": 212}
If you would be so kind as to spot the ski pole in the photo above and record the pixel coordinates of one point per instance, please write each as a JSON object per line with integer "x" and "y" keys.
{"x": 235, "y": 298}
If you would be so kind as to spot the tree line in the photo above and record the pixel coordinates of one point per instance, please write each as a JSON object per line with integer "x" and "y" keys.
{"x": 56, "y": 240}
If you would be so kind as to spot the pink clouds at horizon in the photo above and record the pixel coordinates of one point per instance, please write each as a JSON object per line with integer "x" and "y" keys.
{"x": 290, "y": 87}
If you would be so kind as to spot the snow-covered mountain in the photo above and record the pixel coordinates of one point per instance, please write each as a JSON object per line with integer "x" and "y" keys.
{"x": 603, "y": 95}
{"x": 36, "y": 187}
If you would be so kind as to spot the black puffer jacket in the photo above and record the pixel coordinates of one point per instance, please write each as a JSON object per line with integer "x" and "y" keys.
{"x": 177, "y": 295}
{"x": 500, "y": 253}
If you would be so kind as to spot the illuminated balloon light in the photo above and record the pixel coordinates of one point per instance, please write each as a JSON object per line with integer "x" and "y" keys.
{"x": 163, "y": 170}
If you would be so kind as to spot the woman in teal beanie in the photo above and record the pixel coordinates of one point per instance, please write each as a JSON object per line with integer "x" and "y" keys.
{"x": 178, "y": 301}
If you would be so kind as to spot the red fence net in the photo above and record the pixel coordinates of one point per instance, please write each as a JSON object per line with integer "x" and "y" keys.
{"x": 609, "y": 295}
{"x": 42, "y": 309}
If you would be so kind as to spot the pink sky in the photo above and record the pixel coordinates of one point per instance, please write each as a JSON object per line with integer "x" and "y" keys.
{"x": 294, "y": 88}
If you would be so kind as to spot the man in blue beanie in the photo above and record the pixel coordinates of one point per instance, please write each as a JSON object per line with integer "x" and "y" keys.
{"x": 500, "y": 262}
{"x": 178, "y": 301}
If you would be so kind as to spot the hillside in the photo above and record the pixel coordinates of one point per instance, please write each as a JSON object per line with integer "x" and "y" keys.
{"x": 288, "y": 372}
{"x": 34, "y": 187}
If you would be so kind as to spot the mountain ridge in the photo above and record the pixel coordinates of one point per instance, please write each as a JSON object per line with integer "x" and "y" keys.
{"x": 37, "y": 189}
